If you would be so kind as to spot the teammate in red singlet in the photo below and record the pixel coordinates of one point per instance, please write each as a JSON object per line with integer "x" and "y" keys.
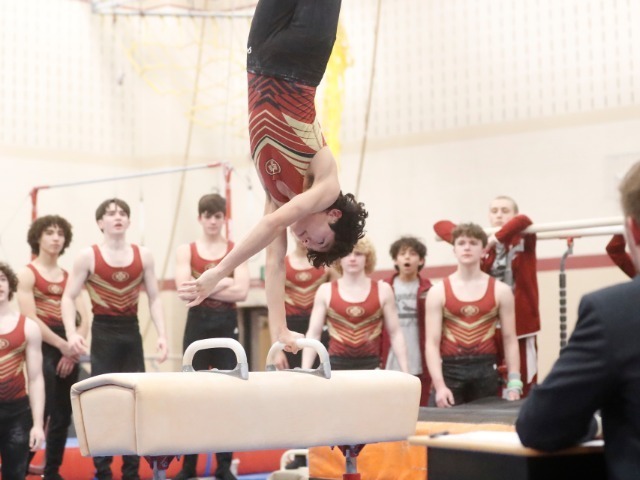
{"x": 356, "y": 309}
{"x": 21, "y": 415}
{"x": 288, "y": 49}
{"x": 510, "y": 256}
{"x": 40, "y": 288}
{"x": 462, "y": 316}
{"x": 113, "y": 274}
{"x": 217, "y": 315}
{"x": 301, "y": 284}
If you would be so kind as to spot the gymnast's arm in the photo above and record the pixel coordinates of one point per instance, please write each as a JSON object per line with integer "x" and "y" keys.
{"x": 320, "y": 196}
{"x": 434, "y": 305}
{"x": 78, "y": 275}
{"x": 155, "y": 302}
{"x": 275, "y": 277}
{"x": 559, "y": 412}
{"x": 507, "y": 315}
{"x": 392, "y": 324}
{"x": 36, "y": 383}
{"x": 183, "y": 273}
{"x": 238, "y": 287}
{"x": 509, "y": 230}
{"x": 617, "y": 253}
{"x": 444, "y": 229}
{"x": 316, "y": 322}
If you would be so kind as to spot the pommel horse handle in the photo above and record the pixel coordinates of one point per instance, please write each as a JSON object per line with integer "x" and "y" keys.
{"x": 323, "y": 370}
{"x": 242, "y": 368}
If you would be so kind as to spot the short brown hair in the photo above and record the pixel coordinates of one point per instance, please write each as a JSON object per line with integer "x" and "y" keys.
{"x": 102, "y": 208}
{"x": 11, "y": 277}
{"x": 41, "y": 224}
{"x": 630, "y": 193}
{"x": 408, "y": 242}
{"x": 470, "y": 230}
{"x": 212, "y": 203}
{"x": 365, "y": 247}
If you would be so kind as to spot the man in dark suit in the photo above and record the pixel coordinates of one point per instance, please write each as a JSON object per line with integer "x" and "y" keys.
{"x": 599, "y": 369}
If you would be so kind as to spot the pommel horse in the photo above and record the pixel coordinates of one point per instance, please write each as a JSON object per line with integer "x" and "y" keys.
{"x": 163, "y": 414}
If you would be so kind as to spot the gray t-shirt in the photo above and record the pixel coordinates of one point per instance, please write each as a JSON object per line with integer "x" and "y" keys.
{"x": 406, "y": 294}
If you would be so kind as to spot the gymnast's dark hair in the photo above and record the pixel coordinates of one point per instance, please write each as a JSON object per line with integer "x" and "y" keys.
{"x": 41, "y": 224}
{"x": 104, "y": 206}
{"x": 348, "y": 230}
{"x": 212, "y": 203}
{"x": 12, "y": 278}
{"x": 408, "y": 242}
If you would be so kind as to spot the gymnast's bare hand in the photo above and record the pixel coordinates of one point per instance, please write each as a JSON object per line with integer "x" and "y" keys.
{"x": 66, "y": 350}
{"x": 36, "y": 437}
{"x": 444, "y": 398}
{"x": 280, "y": 361}
{"x": 195, "y": 291}
{"x": 65, "y": 366}
{"x": 163, "y": 350}
{"x": 512, "y": 394}
{"x": 78, "y": 344}
{"x": 226, "y": 282}
{"x": 492, "y": 241}
{"x": 289, "y": 339}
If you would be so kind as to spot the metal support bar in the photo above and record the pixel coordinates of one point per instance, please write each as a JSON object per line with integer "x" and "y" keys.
{"x": 563, "y": 292}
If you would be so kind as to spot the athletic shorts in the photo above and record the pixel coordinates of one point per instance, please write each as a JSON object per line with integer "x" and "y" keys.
{"x": 293, "y": 39}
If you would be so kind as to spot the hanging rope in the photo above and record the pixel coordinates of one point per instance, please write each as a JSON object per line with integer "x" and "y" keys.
{"x": 363, "y": 148}
{"x": 187, "y": 153}
{"x": 185, "y": 162}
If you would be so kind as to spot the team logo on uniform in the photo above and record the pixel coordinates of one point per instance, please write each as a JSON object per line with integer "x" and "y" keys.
{"x": 210, "y": 265}
{"x": 4, "y": 343}
{"x": 120, "y": 276}
{"x": 469, "y": 310}
{"x": 355, "y": 311}
{"x": 54, "y": 289}
{"x": 272, "y": 167}
{"x": 303, "y": 276}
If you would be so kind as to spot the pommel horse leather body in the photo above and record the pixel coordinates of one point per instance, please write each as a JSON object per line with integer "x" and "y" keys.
{"x": 154, "y": 414}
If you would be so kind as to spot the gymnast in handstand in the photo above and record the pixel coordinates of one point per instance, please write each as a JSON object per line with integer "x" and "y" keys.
{"x": 287, "y": 53}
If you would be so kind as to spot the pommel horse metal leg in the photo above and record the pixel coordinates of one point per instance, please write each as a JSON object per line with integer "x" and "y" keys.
{"x": 351, "y": 453}
{"x": 159, "y": 465}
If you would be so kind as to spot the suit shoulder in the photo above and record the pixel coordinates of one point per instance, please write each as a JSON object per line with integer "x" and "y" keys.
{"x": 622, "y": 292}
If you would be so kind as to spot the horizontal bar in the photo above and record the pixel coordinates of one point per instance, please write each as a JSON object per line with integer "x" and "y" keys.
{"x": 566, "y": 225}
{"x": 581, "y": 232}
{"x": 573, "y": 226}
{"x": 148, "y": 173}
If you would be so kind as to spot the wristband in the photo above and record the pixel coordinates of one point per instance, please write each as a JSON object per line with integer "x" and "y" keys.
{"x": 514, "y": 376}
{"x": 515, "y": 384}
